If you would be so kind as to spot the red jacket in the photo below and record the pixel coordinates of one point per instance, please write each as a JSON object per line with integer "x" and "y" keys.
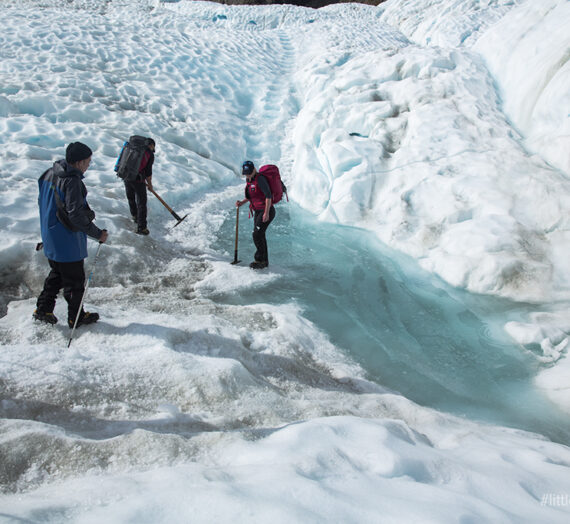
{"x": 145, "y": 169}
{"x": 254, "y": 193}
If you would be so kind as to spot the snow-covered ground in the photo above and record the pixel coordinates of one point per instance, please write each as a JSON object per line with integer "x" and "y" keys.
{"x": 442, "y": 127}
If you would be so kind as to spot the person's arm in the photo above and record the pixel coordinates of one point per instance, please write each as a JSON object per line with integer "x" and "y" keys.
{"x": 240, "y": 203}
{"x": 146, "y": 171}
{"x": 263, "y": 184}
{"x": 266, "y": 210}
{"x": 78, "y": 211}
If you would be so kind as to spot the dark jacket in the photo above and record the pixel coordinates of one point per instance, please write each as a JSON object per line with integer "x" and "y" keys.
{"x": 60, "y": 243}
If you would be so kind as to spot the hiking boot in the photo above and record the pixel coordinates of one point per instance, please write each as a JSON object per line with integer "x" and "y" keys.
{"x": 142, "y": 231}
{"x": 134, "y": 218}
{"x": 84, "y": 319}
{"x": 42, "y": 316}
{"x": 258, "y": 265}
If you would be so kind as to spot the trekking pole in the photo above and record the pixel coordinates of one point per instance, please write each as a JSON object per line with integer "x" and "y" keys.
{"x": 84, "y": 293}
{"x": 236, "y": 261}
{"x": 167, "y": 206}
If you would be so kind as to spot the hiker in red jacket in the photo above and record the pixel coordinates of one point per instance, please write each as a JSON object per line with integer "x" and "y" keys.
{"x": 259, "y": 195}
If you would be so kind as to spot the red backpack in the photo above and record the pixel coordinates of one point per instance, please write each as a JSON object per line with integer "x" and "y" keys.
{"x": 277, "y": 187}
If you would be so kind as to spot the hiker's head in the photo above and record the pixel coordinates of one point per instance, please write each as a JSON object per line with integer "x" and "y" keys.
{"x": 248, "y": 169}
{"x": 151, "y": 144}
{"x": 78, "y": 155}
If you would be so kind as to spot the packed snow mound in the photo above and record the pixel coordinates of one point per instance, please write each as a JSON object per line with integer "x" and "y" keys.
{"x": 528, "y": 52}
{"x": 453, "y": 23}
{"x": 412, "y": 143}
{"x": 342, "y": 469}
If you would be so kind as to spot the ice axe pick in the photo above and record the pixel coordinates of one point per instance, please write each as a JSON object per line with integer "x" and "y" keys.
{"x": 178, "y": 219}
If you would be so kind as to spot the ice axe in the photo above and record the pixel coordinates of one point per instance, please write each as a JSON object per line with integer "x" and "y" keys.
{"x": 236, "y": 261}
{"x": 178, "y": 219}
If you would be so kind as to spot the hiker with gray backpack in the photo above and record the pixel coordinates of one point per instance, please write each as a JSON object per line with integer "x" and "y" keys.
{"x": 134, "y": 166}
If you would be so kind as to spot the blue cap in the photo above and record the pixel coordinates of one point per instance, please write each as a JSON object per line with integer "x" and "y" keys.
{"x": 247, "y": 168}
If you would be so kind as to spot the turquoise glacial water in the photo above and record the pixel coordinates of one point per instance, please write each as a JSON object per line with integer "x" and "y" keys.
{"x": 437, "y": 345}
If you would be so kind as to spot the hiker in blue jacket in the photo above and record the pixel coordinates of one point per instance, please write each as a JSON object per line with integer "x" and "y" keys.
{"x": 66, "y": 221}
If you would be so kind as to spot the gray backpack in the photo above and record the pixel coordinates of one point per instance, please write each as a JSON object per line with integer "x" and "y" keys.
{"x": 129, "y": 161}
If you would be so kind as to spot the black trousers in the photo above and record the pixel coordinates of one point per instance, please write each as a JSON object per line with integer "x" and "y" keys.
{"x": 259, "y": 229}
{"x": 137, "y": 197}
{"x": 67, "y": 275}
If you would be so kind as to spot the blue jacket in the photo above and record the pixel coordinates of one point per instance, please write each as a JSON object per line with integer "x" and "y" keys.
{"x": 61, "y": 244}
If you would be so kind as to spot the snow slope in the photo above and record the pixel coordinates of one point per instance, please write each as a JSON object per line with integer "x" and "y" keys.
{"x": 180, "y": 405}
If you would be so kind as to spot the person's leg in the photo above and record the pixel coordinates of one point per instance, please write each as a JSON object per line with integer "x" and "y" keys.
{"x": 132, "y": 199}
{"x": 141, "y": 199}
{"x": 46, "y": 301}
{"x": 73, "y": 280}
{"x": 259, "y": 238}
